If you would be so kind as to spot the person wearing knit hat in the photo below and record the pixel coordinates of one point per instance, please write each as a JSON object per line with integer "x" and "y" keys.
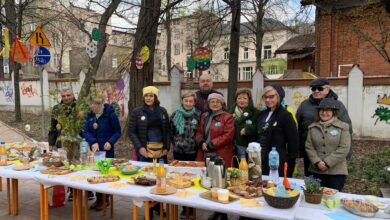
{"x": 216, "y": 130}
{"x": 320, "y": 89}
{"x": 327, "y": 146}
{"x": 149, "y": 128}
{"x": 276, "y": 128}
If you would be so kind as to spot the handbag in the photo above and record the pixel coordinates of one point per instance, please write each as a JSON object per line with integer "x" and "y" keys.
{"x": 154, "y": 149}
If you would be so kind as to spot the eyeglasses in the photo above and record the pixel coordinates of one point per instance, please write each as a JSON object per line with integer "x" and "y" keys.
{"x": 268, "y": 96}
{"x": 319, "y": 88}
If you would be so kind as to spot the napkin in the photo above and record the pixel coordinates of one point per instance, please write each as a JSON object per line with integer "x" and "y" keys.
{"x": 251, "y": 203}
{"x": 341, "y": 216}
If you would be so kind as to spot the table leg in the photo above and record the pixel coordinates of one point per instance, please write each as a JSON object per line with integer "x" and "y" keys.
{"x": 17, "y": 196}
{"x": 112, "y": 206}
{"x": 46, "y": 199}
{"x": 41, "y": 191}
{"x": 194, "y": 213}
{"x": 74, "y": 204}
{"x": 79, "y": 203}
{"x": 86, "y": 215}
{"x": 161, "y": 211}
{"x": 9, "y": 196}
{"x": 147, "y": 208}
{"x": 44, "y": 203}
{"x": 168, "y": 211}
{"x": 135, "y": 212}
{"x": 14, "y": 199}
{"x": 1, "y": 184}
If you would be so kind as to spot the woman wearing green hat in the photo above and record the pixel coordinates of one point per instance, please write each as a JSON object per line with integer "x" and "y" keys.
{"x": 327, "y": 146}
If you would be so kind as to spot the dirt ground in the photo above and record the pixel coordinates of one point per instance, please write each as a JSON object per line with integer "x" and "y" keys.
{"x": 361, "y": 148}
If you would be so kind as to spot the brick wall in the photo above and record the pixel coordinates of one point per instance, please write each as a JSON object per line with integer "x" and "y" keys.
{"x": 339, "y": 43}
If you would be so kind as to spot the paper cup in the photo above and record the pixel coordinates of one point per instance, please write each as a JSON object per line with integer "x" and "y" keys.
{"x": 223, "y": 195}
{"x": 214, "y": 193}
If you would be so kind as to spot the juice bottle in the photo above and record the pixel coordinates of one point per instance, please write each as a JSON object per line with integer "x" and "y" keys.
{"x": 3, "y": 155}
{"x": 161, "y": 178}
{"x": 243, "y": 167}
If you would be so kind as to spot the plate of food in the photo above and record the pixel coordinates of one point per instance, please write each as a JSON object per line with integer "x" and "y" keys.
{"x": 129, "y": 169}
{"x": 179, "y": 181}
{"x": 102, "y": 179}
{"x": 359, "y": 207}
{"x": 142, "y": 180}
{"x": 252, "y": 189}
{"x": 179, "y": 163}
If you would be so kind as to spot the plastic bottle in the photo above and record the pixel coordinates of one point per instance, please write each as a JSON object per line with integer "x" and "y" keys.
{"x": 3, "y": 154}
{"x": 273, "y": 162}
{"x": 161, "y": 177}
{"x": 84, "y": 152}
{"x": 243, "y": 167}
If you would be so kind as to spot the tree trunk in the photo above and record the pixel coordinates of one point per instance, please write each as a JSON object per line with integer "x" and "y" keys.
{"x": 1, "y": 57}
{"x": 259, "y": 37}
{"x": 169, "y": 41}
{"x": 234, "y": 50}
{"x": 101, "y": 47}
{"x": 146, "y": 34}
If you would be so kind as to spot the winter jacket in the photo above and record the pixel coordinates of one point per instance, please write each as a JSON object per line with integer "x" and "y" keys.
{"x": 221, "y": 133}
{"x": 138, "y": 126}
{"x": 330, "y": 144}
{"x": 54, "y": 133}
{"x": 280, "y": 132}
{"x": 307, "y": 113}
{"x": 201, "y": 100}
{"x": 108, "y": 129}
{"x": 185, "y": 143}
{"x": 248, "y": 121}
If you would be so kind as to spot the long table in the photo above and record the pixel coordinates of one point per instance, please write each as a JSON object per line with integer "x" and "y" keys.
{"x": 141, "y": 196}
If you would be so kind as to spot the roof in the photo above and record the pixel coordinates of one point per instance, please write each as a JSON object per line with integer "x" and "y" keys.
{"x": 269, "y": 24}
{"x": 304, "y": 43}
{"x": 338, "y": 4}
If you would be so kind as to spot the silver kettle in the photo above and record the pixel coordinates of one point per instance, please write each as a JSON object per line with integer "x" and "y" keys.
{"x": 209, "y": 162}
{"x": 219, "y": 173}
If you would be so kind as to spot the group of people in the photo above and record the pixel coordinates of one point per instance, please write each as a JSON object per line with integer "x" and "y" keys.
{"x": 320, "y": 131}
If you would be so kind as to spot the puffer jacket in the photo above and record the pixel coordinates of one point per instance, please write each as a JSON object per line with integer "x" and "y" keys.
{"x": 185, "y": 143}
{"x": 248, "y": 121}
{"x": 306, "y": 114}
{"x": 221, "y": 133}
{"x": 108, "y": 129}
{"x": 330, "y": 144}
{"x": 138, "y": 126}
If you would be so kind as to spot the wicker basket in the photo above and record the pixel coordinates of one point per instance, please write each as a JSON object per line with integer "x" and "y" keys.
{"x": 280, "y": 203}
{"x": 47, "y": 163}
{"x": 313, "y": 198}
{"x": 235, "y": 181}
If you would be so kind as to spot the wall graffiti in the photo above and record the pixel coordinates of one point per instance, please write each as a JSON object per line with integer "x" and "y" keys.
{"x": 7, "y": 90}
{"x": 298, "y": 98}
{"x": 28, "y": 90}
{"x": 382, "y": 113}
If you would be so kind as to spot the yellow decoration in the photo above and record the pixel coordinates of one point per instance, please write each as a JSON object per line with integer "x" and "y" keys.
{"x": 145, "y": 54}
{"x": 7, "y": 45}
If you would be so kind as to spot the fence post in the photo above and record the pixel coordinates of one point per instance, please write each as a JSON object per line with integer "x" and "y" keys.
{"x": 257, "y": 87}
{"x": 355, "y": 99}
{"x": 176, "y": 78}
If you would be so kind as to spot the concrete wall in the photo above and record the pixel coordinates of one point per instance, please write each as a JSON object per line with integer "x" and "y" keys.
{"x": 364, "y": 99}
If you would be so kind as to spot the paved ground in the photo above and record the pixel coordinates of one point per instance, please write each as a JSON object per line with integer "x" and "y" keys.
{"x": 29, "y": 196}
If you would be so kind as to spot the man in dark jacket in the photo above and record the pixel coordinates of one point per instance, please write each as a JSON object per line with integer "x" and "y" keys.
{"x": 205, "y": 89}
{"x": 67, "y": 98}
{"x": 307, "y": 112}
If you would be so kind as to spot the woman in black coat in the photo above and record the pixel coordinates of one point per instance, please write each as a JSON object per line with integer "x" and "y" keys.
{"x": 276, "y": 128}
{"x": 149, "y": 123}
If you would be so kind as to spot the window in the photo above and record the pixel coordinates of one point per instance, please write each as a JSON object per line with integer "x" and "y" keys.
{"x": 55, "y": 40}
{"x": 247, "y": 73}
{"x": 114, "y": 62}
{"x": 115, "y": 39}
{"x": 177, "y": 34}
{"x": 56, "y": 60}
{"x": 239, "y": 73}
{"x": 177, "y": 49}
{"x": 157, "y": 42}
{"x": 226, "y": 53}
{"x": 246, "y": 53}
{"x": 32, "y": 26}
{"x": 6, "y": 68}
{"x": 267, "y": 52}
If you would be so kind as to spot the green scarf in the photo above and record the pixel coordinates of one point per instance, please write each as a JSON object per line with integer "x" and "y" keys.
{"x": 178, "y": 119}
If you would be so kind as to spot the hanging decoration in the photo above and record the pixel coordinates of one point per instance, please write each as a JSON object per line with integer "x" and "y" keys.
{"x": 7, "y": 45}
{"x": 91, "y": 49}
{"x": 120, "y": 84}
{"x": 138, "y": 62}
{"x": 20, "y": 52}
{"x": 190, "y": 64}
{"x": 202, "y": 57}
{"x": 95, "y": 34}
{"x": 145, "y": 54}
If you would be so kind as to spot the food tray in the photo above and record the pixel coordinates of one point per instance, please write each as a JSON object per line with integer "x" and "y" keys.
{"x": 179, "y": 163}
{"x": 46, "y": 162}
{"x": 170, "y": 190}
{"x": 56, "y": 171}
{"x": 207, "y": 195}
{"x": 102, "y": 179}
{"x": 179, "y": 183}
{"x": 256, "y": 191}
{"x": 348, "y": 203}
{"x": 142, "y": 181}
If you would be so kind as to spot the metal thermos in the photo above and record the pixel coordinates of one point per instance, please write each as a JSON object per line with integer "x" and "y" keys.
{"x": 219, "y": 174}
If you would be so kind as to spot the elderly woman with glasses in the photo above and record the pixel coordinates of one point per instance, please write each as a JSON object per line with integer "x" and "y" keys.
{"x": 276, "y": 128}
{"x": 216, "y": 130}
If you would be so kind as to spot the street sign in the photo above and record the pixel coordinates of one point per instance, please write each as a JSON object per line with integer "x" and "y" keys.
{"x": 42, "y": 56}
{"x": 38, "y": 38}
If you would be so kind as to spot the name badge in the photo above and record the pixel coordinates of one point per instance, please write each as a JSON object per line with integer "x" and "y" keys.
{"x": 218, "y": 124}
{"x": 194, "y": 121}
{"x": 248, "y": 122}
{"x": 143, "y": 118}
{"x": 334, "y": 132}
